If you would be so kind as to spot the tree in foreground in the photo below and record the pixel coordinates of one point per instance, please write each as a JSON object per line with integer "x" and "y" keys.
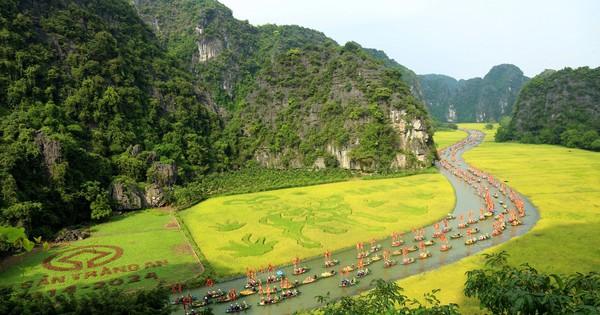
{"x": 385, "y": 298}
{"x": 504, "y": 289}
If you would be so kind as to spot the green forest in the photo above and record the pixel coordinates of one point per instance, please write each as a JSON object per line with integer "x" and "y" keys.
{"x": 557, "y": 107}
{"x": 111, "y": 106}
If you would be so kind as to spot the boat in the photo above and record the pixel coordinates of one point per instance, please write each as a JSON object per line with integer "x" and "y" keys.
{"x": 223, "y": 299}
{"x": 495, "y": 195}
{"x": 456, "y": 235}
{"x": 376, "y": 258}
{"x": 375, "y": 248}
{"x": 515, "y": 223}
{"x": 482, "y": 217}
{"x": 429, "y": 243}
{"x": 301, "y": 270}
{"x": 269, "y": 290}
{"x": 412, "y": 248}
{"x": 348, "y": 268}
{"x": 419, "y": 238}
{"x": 397, "y": 243}
{"x": 396, "y": 253}
{"x": 407, "y": 261}
{"x": 238, "y": 308}
{"x": 446, "y": 247}
{"x": 330, "y": 263}
{"x": 437, "y": 234}
{"x": 347, "y": 283}
{"x": 268, "y": 301}
{"x": 472, "y": 221}
{"x": 389, "y": 263}
{"x": 484, "y": 237}
{"x": 310, "y": 280}
{"x": 496, "y": 232}
{"x": 362, "y": 255}
{"x": 424, "y": 255}
{"x": 251, "y": 284}
{"x": 214, "y": 294}
{"x": 248, "y": 292}
{"x": 328, "y": 274}
{"x": 473, "y": 231}
{"x": 273, "y": 279}
{"x": 363, "y": 273}
{"x": 463, "y": 225}
{"x": 447, "y": 229}
{"x": 450, "y": 217}
{"x": 471, "y": 241}
{"x": 289, "y": 294}
{"x": 201, "y": 303}
{"x": 488, "y": 214}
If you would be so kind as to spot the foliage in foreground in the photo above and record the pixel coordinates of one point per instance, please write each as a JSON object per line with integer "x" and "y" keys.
{"x": 386, "y": 298}
{"x": 104, "y": 302}
{"x": 504, "y": 289}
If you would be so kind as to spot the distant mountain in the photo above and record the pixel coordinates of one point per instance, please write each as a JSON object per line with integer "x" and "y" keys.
{"x": 558, "y": 107}
{"x": 473, "y": 100}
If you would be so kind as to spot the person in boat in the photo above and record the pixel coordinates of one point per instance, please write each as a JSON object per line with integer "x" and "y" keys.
{"x": 192, "y": 312}
{"x": 315, "y": 277}
{"x": 244, "y": 305}
{"x": 206, "y": 300}
{"x": 295, "y": 282}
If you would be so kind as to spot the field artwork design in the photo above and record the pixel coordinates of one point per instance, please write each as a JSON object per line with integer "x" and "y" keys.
{"x": 271, "y": 227}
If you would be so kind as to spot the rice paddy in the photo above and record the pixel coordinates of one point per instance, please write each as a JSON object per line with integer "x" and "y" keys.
{"x": 253, "y": 230}
{"x": 131, "y": 251}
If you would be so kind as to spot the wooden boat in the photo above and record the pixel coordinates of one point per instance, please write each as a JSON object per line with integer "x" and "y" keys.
{"x": 397, "y": 243}
{"x": 472, "y": 221}
{"x": 375, "y": 248}
{"x": 330, "y": 263}
{"x": 412, "y": 248}
{"x": 471, "y": 241}
{"x": 362, "y": 255}
{"x": 269, "y": 301}
{"x": 496, "y": 232}
{"x": 482, "y": 217}
{"x": 328, "y": 274}
{"x": 396, "y": 253}
{"x": 310, "y": 280}
{"x": 389, "y": 263}
{"x": 214, "y": 294}
{"x": 429, "y": 243}
{"x": 515, "y": 223}
{"x": 450, "y": 217}
{"x": 419, "y": 238}
{"x": 301, "y": 270}
{"x": 376, "y": 258}
{"x": 484, "y": 237}
{"x": 223, "y": 299}
{"x": 424, "y": 255}
{"x": 363, "y": 273}
{"x": 473, "y": 231}
{"x": 289, "y": 285}
{"x": 446, "y": 247}
{"x": 456, "y": 235}
{"x": 269, "y": 290}
{"x": 248, "y": 292}
{"x": 495, "y": 195}
{"x": 289, "y": 294}
{"x": 437, "y": 234}
{"x": 348, "y": 268}
{"x": 251, "y": 284}
{"x": 201, "y": 303}
{"x": 489, "y": 214}
{"x": 407, "y": 261}
{"x": 447, "y": 229}
{"x": 463, "y": 225}
{"x": 273, "y": 279}
{"x": 348, "y": 283}
{"x": 235, "y": 309}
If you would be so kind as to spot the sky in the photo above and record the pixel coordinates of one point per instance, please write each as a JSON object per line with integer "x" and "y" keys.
{"x": 460, "y": 38}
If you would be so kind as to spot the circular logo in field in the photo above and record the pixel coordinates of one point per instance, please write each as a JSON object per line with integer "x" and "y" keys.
{"x": 83, "y": 257}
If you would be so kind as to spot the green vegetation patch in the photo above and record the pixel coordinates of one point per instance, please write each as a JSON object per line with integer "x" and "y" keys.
{"x": 130, "y": 251}
{"x": 274, "y": 226}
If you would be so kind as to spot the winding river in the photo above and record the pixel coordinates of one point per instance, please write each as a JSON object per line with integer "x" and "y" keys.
{"x": 467, "y": 183}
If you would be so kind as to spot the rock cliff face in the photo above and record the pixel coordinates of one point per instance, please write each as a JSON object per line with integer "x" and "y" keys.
{"x": 473, "y": 100}
{"x": 319, "y": 103}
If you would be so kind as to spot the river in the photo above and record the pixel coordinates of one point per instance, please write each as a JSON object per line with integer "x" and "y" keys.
{"x": 467, "y": 201}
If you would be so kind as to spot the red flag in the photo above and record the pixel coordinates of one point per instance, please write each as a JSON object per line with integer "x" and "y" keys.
{"x": 436, "y": 226}
{"x": 443, "y": 237}
{"x": 209, "y": 282}
{"x": 421, "y": 245}
{"x": 445, "y": 223}
{"x": 461, "y": 217}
